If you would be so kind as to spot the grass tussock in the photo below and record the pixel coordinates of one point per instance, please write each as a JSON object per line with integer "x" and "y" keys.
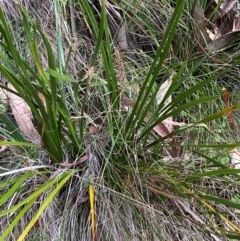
{"x": 104, "y": 170}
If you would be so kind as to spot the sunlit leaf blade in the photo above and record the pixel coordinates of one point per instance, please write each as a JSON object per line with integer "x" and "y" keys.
{"x": 16, "y": 143}
{"x": 35, "y": 194}
{"x": 92, "y": 210}
{"x": 17, "y": 219}
{"x": 45, "y": 204}
{"x": 214, "y": 173}
{"x": 15, "y": 187}
{"x": 222, "y": 201}
{"x": 59, "y": 76}
{"x": 137, "y": 116}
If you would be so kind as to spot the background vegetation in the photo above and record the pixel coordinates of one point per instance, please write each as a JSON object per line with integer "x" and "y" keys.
{"x": 113, "y": 153}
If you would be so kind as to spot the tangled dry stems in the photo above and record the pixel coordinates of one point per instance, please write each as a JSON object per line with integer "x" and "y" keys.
{"x": 129, "y": 213}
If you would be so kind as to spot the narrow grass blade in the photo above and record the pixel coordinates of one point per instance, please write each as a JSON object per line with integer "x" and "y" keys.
{"x": 60, "y": 52}
{"x": 17, "y": 219}
{"x": 37, "y": 63}
{"x": 177, "y": 111}
{"x": 12, "y": 132}
{"x": 45, "y": 204}
{"x": 35, "y": 194}
{"x": 232, "y": 235}
{"x": 213, "y": 173}
{"x": 60, "y": 76}
{"x": 222, "y": 201}
{"x": 99, "y": 33}
{"x": 15, "y": 187}
{"x": 92, "y": 210}
{"x": 137, "y": 116}
{"x": 205, "y": 120}
{"x": 215, "y": 162}
{"x": 90, "y": 15}
{"x": 6, "y": 33}
{"x": 17, "y": 143}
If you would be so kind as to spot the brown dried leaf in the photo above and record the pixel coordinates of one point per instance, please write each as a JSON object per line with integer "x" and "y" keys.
{"x": 225, "y": 17}
{"x": 225, "y": 7}
{"x": 122, "y": 38}
{"x": 42, "y": 97}
{"x": 160, "y": 129}
{"x": 23, "y": 116}
{"x": 3, "y": 95}
{"x": 80, "y": 160}
{"x": 222, "y": 41}
{"x": 229, "y": 114}
{"x": 235, "y": 158}
{"x": 200, "y": 29}
{"x": 160, "y": 95}
{"x": 37, "y": 224}
{"x": 236, "y": 24}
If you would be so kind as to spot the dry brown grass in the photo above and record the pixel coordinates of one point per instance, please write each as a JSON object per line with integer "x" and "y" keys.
{"x": 135, "y": 212}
